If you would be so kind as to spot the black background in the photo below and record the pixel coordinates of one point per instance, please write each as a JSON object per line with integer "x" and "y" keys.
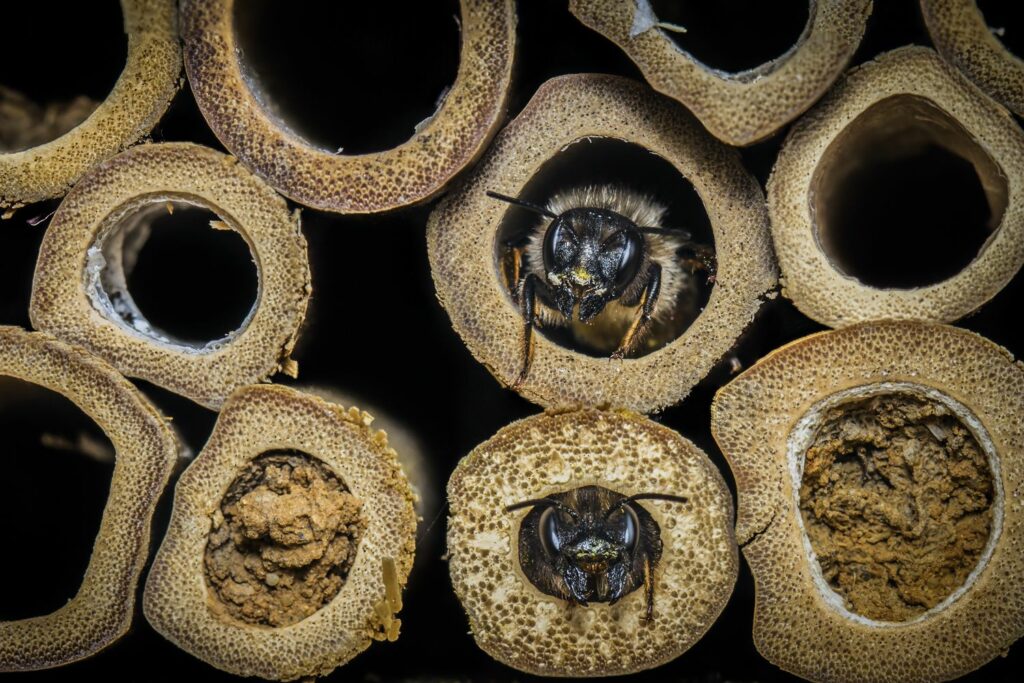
{"x": 372, "y": 289}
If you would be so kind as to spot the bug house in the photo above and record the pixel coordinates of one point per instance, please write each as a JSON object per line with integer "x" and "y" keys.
{"x": 589, "y": 543}
{"x": 877, "y": 485}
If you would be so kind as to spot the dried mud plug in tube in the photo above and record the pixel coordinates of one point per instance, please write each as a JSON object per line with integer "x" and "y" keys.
{"x": 42, "y": 159}
{"x": 589, "y": 543}
{"x": 291, "y": 537}
{"x": 605, "y": 251}
{"x": 974, "y": 43}
{"x": 745, "y": 106}
{"x": 257, "y": 121}
{"x": 96, "y": 243}
{"x": 900, "y": 195}
{"x": 878, "y": 469}
{"x": 145, "y": 452}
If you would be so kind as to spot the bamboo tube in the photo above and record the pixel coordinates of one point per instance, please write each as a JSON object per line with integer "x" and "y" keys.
{"x": 904, "y": 103}
{"x": 79, "y": 292}
{"x": 877, "y": 483}
{"x": 408, "y": 174}
{"x": 298, "y": 499}
{"x": 737, "y": 108}
{"x": 566, "y": 115}
{"x": 146, "y": 450}
{"x": 519, "y": 623}
{"x": 139, "y": 98}
{"x": 963, "y": 38}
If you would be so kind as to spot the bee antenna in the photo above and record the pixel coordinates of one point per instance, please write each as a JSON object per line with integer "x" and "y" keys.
{"x": 523, "y": 204}
{"x": 645, "y": 496}
{"x": 546, "y": 502}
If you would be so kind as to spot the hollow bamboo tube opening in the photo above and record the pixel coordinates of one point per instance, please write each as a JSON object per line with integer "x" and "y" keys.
{"x": 96, "y": 245}
{"x": 572, "y": 128}
{"x": 878, "y": 521}
{"x": 983, "y": 40}
{"x": 507, "y": 583}
{"x": 737, "y": 105}
{"x": 291, "y": 536}
{"x": 308, "y": 138}
{"x": 145, "y": 450}
{"x": 899, "y": 196}
{"x": 47, "y": 147}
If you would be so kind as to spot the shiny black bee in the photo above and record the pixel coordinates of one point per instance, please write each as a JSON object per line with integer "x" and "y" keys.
{"x": 601, "y": 254}
{"x": 591, "y": 544}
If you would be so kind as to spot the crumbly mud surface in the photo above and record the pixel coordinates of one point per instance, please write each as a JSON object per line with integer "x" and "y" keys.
{"x": 896, "y": 499}
{"x": 282, "y": 542}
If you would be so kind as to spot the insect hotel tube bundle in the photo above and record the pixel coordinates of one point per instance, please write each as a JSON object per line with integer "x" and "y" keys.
{"x": 291, "y": 537}
{"x": 249, "y": 124}
{"x": 589, "y": 543}
{"x": 905, "y": 107}
{"x": 747, "y": 106}
{"x": 80, "y": 291}
{"x": 145, "y": 451}
{"x": 46, "y": 159}
{"x": 878, "y": 485}
{"x": 469, "y": 240}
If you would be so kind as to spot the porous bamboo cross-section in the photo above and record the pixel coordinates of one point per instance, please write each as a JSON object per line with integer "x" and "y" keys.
{"x": 408, "y": 174}
{"x": 80, "y": 291}
{"x": 878, "y": 471}
{"x": 139, "y": 98}
{"x": 518, "y": 624}
{"x": 575, "y": 110}
{"x": 314, "y": 505}
{"x": 738, "y": 108}
{"x": 145, "y": 452}
{"x": 903, "y": 101}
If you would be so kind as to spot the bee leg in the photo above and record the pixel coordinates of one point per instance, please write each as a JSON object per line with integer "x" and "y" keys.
{"x": 648, "y": 300}
{"x": 513, "y": 267}
{"x": 528, "y": 308}
{"x": 648, "y": 589}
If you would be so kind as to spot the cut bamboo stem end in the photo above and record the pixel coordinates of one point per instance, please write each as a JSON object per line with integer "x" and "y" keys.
{"x": 408, "y": 174}
{"x": 738, "y": 108}
{"x": 904, "y": 102}
{"x": 79, "y": 292}
{"x": 180, "y": 600}
{"x": 964, "y": 39}
{"x": 565, "y": 115}
{"x": 141, "y": 95}
{"x": 770, "y": 419}
{"x": 146, "y": 450}
{"x": 521, "y": 626}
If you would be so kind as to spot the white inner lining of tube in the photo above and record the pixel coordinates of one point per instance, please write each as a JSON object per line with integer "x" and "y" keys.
{"x": 112, "y": 256}
{"x": 803, "y": 435}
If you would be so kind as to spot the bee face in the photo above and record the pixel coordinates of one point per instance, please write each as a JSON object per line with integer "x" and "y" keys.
{"x": 590, "y": 544}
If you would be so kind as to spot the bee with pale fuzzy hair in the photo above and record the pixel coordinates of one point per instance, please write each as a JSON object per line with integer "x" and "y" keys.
{"x": 601, "y": 262}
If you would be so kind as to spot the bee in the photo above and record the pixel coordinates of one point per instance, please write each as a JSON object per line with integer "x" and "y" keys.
{"x": 601, "y": 262}
{"x": 591, "y": 544}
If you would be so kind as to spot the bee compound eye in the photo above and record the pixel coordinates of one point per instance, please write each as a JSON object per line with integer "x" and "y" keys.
{"x": 625, "y": 524}
{"x": 629, "y": 243}
{"x": 549, "y": 528}
{"x": 560, "y": 245}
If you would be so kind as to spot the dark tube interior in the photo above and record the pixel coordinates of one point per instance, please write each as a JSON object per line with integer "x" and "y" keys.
{"x": 351, "y": 76}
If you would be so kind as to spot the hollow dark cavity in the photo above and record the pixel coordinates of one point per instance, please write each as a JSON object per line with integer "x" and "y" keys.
{"x": 1004, "y": 18}
{"x": 606, "y": 161}
{"x": 332, "y": 74}
{"x": 175, "y": 271}
{"x": 57, "y": 466}
{"x": 731, "y": 35}
{"x": 904, "y": 197}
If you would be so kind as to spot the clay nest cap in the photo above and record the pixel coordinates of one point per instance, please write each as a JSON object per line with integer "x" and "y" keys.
{"x": 963, "y": 37}
{"x": 763, "y": 421}
{"x": 411, "y": 173}
{"x": 913, "y": 91}
{"x": 140, "y": 97}
{"x": 80, "y": 294}
{"x": 178, "y": 600}
{"x": 146, "y": 450}
{"x": 517, "y": 624}
{"x": 745, "y": 107}
{"x": 463, "y": 230}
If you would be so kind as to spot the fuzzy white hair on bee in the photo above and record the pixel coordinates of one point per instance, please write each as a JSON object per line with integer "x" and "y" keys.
{"x": 602, "y": 262}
